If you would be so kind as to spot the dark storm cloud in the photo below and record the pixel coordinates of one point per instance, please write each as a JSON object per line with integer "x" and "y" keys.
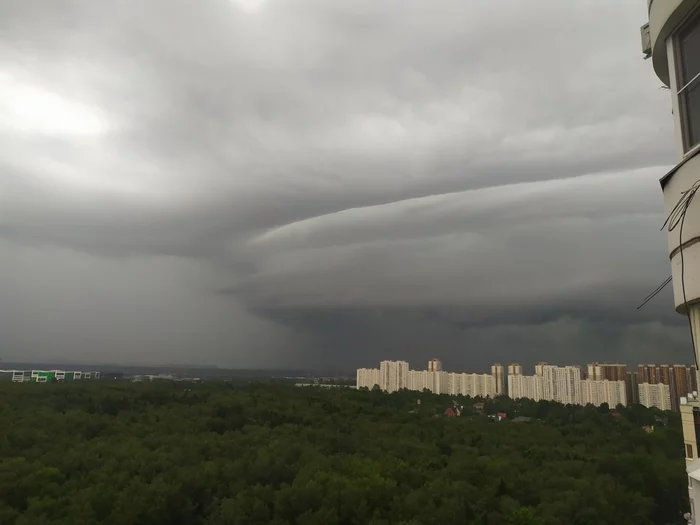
{"x": 360, "y": 179}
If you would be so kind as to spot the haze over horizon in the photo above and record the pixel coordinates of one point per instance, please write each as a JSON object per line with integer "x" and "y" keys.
{"x": 300, "y": 183}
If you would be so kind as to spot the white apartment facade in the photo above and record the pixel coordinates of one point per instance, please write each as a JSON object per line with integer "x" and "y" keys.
{"x": 530, "y": 387}
{"x": 393, "y": 375}
{"x": 396, "y": 375}
{"x": 368, "y": 378}
{"x": 435, "y": 381}
{"x": 561, "y": 383}
{"x": 564, "y": 384}
{"x": 693, "y": 470}
{"x": 597, "y": 392}
{"x": 474, "y": 385}
{"x": 655, "y": 395}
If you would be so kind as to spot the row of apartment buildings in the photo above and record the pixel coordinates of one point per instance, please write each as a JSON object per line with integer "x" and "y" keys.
{"x": 679, "y": 380}
{"x": 597, "y": 383}
{"x": 392, "y": 376}
{"x": 566, "y": 384}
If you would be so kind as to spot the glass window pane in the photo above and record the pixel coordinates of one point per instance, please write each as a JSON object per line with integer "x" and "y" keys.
{"x": 691, "y": 114}
{"x": 689, "y": 45}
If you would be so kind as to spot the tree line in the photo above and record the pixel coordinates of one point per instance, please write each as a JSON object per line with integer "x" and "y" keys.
{"x": 223, "y": 453}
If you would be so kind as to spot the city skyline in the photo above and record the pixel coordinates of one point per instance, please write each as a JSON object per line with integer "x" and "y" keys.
{"x": 661, "y": 385}
{"x": 530, "y": 366}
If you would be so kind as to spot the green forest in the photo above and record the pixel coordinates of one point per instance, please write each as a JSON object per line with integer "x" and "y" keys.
{"x": 226, "y": 453}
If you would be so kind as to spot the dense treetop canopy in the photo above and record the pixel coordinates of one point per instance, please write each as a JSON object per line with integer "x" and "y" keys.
{"x": 270, "y": 453}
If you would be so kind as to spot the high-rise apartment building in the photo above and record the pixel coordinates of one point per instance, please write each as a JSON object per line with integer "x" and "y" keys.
{"x": 632, "y": 386}
{"x": 368, "y": 378}
{"x": 593, "y": 372}
{"x": 610, "y": 372}
{"x": 655, "y": 395}
{"x": 606, "y": 371}
{"x": 562, "y": 384}
{"x": 680, "y": 379}
{"x": 597, "y": 392}
{"x": 539, "y": 368}
{"x": 520, "y": 386}
{"x": 474, "y": 385}
{"x": 393, "y": 375}
{"x": 684, "y": 380}
{"x": 438, "y": 382}
{"x": 648, "y": 374}
{"x": 434, "y": 365}
{"x": 514, "y": 369}
{"x": 497, "y": 373}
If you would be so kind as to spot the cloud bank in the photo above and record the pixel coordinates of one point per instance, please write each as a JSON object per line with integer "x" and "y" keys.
{"x": 302, "y": 182}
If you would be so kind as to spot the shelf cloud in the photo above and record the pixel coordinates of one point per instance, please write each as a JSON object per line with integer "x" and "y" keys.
{"x": 304, "y": 183}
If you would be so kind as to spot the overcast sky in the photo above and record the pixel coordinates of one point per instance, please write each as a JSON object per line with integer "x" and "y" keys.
{"x": 314, "y": 182}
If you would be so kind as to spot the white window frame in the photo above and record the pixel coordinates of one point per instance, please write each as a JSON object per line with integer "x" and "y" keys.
{"x": 680, "y": 117}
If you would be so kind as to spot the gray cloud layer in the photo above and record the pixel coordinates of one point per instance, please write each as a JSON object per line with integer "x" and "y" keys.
{"x": 253, "y": 182}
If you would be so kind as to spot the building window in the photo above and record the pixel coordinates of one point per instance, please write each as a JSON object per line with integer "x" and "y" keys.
{"x": 689, "y": 451}
{"x": 688, "y": 81}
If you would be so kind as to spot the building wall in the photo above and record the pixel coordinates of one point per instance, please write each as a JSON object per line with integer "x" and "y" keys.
{"x": 678, "y": 383}
{"x": 515, "y": 369}
{"x": 439, "y": 382}
{"x": 689, "y": 434}
{"x": 434, "y": 365}
{"x": 607, "y": 371}
{"x": 368, "y": 377}
{"x": 664, "y": 16}
{"x": 562, "y": 384}
{"x": 539, "y": 368}
{"x": 598, "y": 392}
{"x": 681, "y": 379}
{"x": 632, "y": 386}
{"x": 655, "y": 395}
{"x": 647, "y": 374}
{"x": 497, "y": 373}
{"x": 530, "y": 387}
{"x": 393, "y": 375}
{"x": 474, "y": 385}
{"x": 693, "y": 494}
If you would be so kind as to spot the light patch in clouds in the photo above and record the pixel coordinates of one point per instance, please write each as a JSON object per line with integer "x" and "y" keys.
{"x": 25, "y": 108}
{"x": 249, "y": 6}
